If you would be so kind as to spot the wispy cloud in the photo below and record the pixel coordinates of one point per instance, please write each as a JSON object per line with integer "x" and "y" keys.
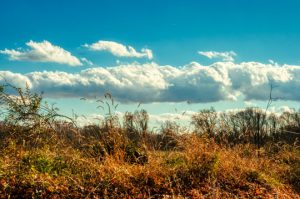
{"x": 86, "y": 61}
{"x": 224, "y": 56}
{"x": 119, "y": 50}
{"x": 183, "y": 116}
{"x": 151, "y": 82}
{"x": 43, "y": 52}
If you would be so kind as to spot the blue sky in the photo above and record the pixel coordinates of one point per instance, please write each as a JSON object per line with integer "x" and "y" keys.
{"x": 257, "y": 30}
{"x": 175, "y": 32}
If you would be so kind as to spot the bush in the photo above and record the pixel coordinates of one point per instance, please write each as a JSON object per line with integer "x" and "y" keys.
{"x": 44, "y": 164}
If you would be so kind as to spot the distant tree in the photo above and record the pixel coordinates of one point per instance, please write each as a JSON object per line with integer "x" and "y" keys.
{"x": 205, "y": 122}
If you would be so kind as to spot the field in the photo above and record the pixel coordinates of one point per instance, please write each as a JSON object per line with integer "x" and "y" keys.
{"x": 244, "y": 154}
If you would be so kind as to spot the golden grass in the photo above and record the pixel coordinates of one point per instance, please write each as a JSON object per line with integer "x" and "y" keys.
{"x": 44, "y": 157}
{"x": 198, "y": 168}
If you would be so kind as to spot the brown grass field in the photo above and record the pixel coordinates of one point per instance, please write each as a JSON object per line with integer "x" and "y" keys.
{"x": 249, "y": 154}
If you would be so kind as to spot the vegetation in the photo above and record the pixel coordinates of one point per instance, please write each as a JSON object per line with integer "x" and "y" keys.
{"x": 245, "y": 154}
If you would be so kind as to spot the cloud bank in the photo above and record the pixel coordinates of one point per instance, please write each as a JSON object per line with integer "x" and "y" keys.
{"x": 119, "y": 50}
{"x": 224, "y": 56}
{"x": 151, "y": 82}
{"x": 43, "y": 52}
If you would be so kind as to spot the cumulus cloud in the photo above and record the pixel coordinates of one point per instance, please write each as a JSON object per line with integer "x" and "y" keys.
{"x": 43, "y": 52}
{"x": 15, "y": 79}
{"x": 151, "y": 82}
{"x": 119, "y": 50}
{"x": 224, "y": 56}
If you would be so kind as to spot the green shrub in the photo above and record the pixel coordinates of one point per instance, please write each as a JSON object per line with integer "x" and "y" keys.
{"x": 135, "y": 155}
{"x": 176, "y": 161}
{"x": 44, "y": 164}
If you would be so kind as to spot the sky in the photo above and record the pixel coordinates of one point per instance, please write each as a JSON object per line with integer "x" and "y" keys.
{"x": 171, "y": 56}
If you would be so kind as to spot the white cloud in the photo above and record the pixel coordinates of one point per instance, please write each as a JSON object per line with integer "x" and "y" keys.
{"x": 151, "y": 82}
{"x": 119, "y": 50}
{"x": 15, "y": 79}
{"x": 249, "y": 103}
{"x": 288, "y": 109}
{"x": 83, "y": 120}
{"x": 88, "y": 62}
{"x": 224, "y": 56}
{"x": 184, "y": 116}
{"x": 43, "y": 52}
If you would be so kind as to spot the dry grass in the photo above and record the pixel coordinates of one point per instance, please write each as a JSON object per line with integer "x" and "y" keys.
{"x": 55, "y": 159}
{"x": 198, "y": 168}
